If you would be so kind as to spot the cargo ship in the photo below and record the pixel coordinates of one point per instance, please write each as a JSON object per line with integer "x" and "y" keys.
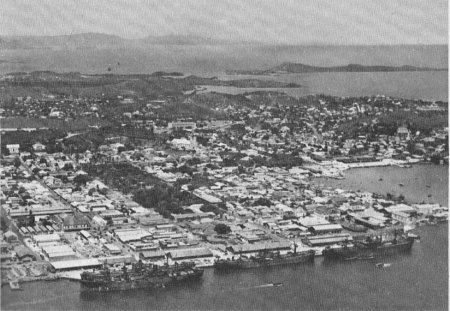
{"x": 265, "y": 259}
{"x": 371, "y": 247}
{"x": 139, "y": 276}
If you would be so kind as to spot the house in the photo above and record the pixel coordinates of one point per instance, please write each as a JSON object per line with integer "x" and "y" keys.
{"x": 24, "y": 254}
{"x": 183, "y": 143}
{"x": 403, "y": 133}
{"x": 98, "y": 222}
{"x": 71, "y": 223}
{"x": 38, "y": 147}
{"x": 10, "y": 237}
{"x": 13, "y": 148}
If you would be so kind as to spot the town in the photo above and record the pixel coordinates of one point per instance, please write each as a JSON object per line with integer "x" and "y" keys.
{"x": 185, "y": 175}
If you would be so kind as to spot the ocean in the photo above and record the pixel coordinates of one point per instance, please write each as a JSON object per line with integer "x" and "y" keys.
{"x": 415, "y": 281}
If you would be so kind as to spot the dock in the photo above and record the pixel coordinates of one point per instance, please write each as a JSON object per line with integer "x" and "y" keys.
{"x": 14, "y": 285}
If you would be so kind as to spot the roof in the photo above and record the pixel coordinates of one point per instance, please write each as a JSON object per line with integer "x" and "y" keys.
{"x": 72, "y": 220}
{"x": 327, "y": 227}
{"x": 77, "y": 263}
{"x": 190, "y": 252}
{"x": 118, "y": 259}
{"x": 46, "y": 237}
{"x": 10, "y": 234}
{"x": 152, "y": 254}
{"x": 256, "y": 247}
{"x": 23, "y": 251}
{"x": 402, "y": 130}
{"x": 54, "y": 249}
{"x": 329, "y": 239}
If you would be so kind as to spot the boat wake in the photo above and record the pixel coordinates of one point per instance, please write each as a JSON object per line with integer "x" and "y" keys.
{"x": 260, "y": 286}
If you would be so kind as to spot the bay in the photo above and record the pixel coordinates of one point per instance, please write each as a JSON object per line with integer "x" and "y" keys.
{"x": 215, "y": 60}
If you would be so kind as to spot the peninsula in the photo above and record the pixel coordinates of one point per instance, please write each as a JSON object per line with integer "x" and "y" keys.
{"x": 286, "y": 68}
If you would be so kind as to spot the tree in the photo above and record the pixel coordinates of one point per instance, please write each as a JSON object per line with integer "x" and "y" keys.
{"x": 30, "y": 220}
{"x": 222, "y": 229}
{"x": 3, "y": 224}
{"x": 68, "y": 167}
{"x": 17, "y": 162}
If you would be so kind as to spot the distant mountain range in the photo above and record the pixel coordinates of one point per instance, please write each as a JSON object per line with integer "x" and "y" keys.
{"x": 98, "y": 40}
{"x": 286, "y": 68}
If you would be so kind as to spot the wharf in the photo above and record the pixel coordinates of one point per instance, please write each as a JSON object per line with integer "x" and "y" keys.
{"x": 14, "y": 285}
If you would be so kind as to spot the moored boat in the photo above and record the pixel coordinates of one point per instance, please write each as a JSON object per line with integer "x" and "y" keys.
{"x": 372, "y": 247}
{"x": 265, "y": 259}
{"x": 139, "y": 276}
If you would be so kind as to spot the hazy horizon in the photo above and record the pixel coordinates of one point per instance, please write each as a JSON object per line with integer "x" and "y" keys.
{"x": 306, "y": 22}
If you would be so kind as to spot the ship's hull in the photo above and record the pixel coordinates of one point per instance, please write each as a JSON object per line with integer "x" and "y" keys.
{"x": 264, "y": 262}
{"x": 143, "y": 283}
{"x": 361, "y": 252}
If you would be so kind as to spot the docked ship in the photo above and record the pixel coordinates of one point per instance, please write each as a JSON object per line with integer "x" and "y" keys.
{"x": 265, "y": 259}
{"x": 371, "y": 247}
{"x": 138, "y": 276}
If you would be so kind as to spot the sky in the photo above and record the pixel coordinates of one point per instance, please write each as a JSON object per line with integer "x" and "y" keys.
{"x": 345, "y": 22}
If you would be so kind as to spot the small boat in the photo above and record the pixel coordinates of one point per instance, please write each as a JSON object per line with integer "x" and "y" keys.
{"x": 382, "y": 265}
{"x": 381, "y": 179}
{"x": 428, "y": 186}
{"x": 277, "y": 284}
{"x": 366, "y": 257}
{"x": 429, "y": 195}
{"x": 401, "y": 185}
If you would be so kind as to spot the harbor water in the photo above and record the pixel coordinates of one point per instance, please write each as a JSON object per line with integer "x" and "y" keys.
{"x": 415, "y": 281}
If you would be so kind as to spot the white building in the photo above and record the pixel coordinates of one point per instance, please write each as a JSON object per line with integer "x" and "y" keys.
{"x": 13, "y": 148}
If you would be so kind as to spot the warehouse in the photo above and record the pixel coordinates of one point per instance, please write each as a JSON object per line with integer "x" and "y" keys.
{"x": 131, "y": 235}
{"x": 189, "y": 253}
{"x": 152, "y": 255}
{"x": 123, "y": 259}
{"x": 76, "y": 264}
{"x": 258, "y": 247}
{"x": 46, "y": 238}
{"x": 59, "y": 252}
{"x": 326, "y": 229}
{"x": 323, "y": 240}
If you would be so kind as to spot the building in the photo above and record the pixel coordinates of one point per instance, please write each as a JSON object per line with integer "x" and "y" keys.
{"x": 189, "y": 253}
{"x": 76, "y": 264}
{"x": 180, "y": 125}
{"x": 73, "y": 223}
{"x": 403, "y": 133}
{"x": 112, "y": 249}
{"x": 38, "y": 147}
{"x": 10, "y": 237}
{"x": 326, "y": 229}
{"x": 24, "y": 254}
{"x": 152, "y": 255}
{"x": 259, "y": 247}
{"x": 183, "y": 143}
{"x": 13, "y": 148}
{"x": 324, "y": 240}
{"x": 98, "y": 222}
